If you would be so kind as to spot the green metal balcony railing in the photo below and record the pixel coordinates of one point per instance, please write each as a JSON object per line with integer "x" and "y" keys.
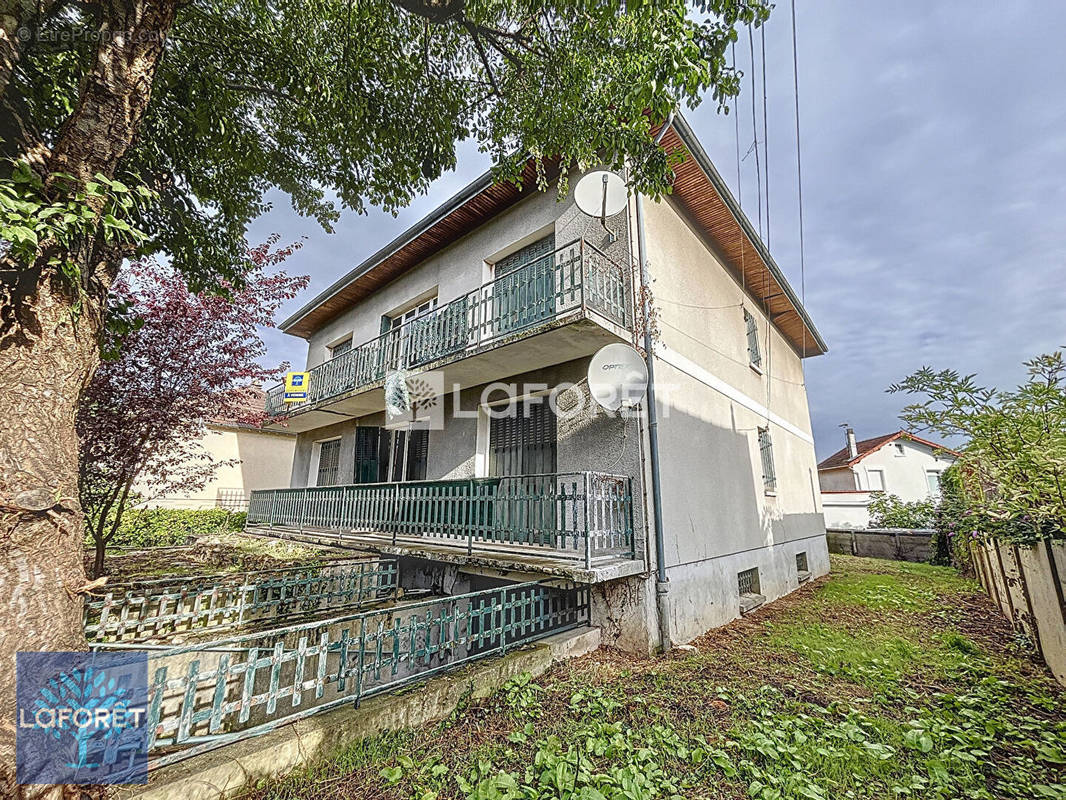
{"x": 583, "y": 516}
{"x": 574, "y": 276}
{"x": 209, "y": 694}
{"x": 143, "y": 610}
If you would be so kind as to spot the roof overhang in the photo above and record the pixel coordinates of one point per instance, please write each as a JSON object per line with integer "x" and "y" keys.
{"x": 698, "y": 188}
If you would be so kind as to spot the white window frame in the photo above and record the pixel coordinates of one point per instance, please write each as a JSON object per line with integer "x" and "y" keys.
{"x": 869, "y": 483}
{"x": 933, "y": 472}
{"x": 316, "y": 453}
{"x": 413, "y": 310}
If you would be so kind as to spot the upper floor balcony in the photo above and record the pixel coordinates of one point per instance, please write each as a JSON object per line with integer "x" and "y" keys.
{"x": 576, "y": 296}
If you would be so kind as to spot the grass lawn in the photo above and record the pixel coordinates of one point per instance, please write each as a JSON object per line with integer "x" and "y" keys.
{"x": 887, "y": 680}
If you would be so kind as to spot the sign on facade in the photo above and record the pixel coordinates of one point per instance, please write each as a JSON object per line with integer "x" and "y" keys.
{"x": 296, "y": 384}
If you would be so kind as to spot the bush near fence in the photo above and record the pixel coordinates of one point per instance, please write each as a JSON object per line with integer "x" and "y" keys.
{"x": 166, "y": 527}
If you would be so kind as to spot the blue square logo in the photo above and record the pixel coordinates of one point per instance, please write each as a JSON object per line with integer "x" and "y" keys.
{"x": 82, "y": 718}
{"x": 297, "y": 380}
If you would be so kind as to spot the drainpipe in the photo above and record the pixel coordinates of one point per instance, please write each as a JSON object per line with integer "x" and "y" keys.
{"x": 662, "y": 582}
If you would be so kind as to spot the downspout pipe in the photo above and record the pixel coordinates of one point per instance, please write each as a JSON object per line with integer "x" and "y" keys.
{"x": 662, "y": 581}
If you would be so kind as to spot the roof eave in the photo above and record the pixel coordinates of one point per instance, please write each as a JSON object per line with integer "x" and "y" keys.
{"x": 472, "y": 189}
{"x": 688, "y": 136}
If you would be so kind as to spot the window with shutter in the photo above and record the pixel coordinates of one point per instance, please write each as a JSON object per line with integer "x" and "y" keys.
{"x": 524, "y": 441}
{"x": 754, "y": 354}
{"x": 766, "y": 451}
{"x": 329, "y": 463}
{"x": 371, "y": 455}
{"x": 340, "y": 348}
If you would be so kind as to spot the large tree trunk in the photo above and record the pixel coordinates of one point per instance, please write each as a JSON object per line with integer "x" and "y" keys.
{"x": 48, "y": 351}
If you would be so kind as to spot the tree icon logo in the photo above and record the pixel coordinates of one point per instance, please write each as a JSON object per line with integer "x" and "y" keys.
{"x": 82, "y": 717}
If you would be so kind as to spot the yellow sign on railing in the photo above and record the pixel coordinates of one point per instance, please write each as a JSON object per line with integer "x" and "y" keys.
{"x": 296, "y": 384}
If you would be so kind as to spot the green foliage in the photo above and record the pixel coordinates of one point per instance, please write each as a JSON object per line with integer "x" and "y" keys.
{"x": 889, "y": 511}
{"x": 66, "y": 216}
{"x": 344, "y": 105}
{"x": 1012, "y": 471}
{"x": 164, "y": 527}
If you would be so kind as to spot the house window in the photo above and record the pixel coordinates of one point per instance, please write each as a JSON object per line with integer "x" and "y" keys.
{"x": 754, "y": 354}
{"x": 329, "y": 463}
{"x": 424, "y": 307}
{"x": 932, "y": 478}
{"x": 540, "y": 249}
{"x": 875, "y": 480}
{"x": 748, "y": 581}
{"x": 410, "y": 454}
{"x": 766, "y": 452}
{"x": 522, "y": 439}
{"x": 340, "y": 348}
{"x": 384, "y": 455}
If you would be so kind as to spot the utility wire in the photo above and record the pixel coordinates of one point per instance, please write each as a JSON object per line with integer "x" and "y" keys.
{"x": 765, "y": 135}
{"x": 799, "y": 171}
{"x": 755, "y": 128}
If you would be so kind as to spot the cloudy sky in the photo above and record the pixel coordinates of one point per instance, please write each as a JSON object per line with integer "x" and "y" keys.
{"x": 934, "y": 163}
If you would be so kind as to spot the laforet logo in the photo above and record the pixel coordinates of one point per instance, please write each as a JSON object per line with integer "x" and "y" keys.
{"x": 82, "y": 718}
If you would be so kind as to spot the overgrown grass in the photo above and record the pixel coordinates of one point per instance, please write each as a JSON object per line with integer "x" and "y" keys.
{"x": 887, "y": 681}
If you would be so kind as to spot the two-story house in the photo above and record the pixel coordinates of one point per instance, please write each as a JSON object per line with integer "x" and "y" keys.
{"x": 898, "y": 463}
{"x": 502, "y": 295}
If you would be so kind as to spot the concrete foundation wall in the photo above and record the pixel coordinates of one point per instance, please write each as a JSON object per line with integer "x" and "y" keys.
{"x": 896, "y": 545}
{"x": 705, "y": 594}
{"x": 1026, "y": 582}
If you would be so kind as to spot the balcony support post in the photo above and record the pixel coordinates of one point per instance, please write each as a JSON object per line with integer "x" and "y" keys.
{"x": 588, "y": 520}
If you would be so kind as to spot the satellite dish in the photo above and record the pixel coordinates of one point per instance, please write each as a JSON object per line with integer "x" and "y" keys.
{"x": 618, "y": 377}
{"x": 601, "y": 194}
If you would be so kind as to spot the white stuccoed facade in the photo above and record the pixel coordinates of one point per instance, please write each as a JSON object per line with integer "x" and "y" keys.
{"x": 898, "y": 463}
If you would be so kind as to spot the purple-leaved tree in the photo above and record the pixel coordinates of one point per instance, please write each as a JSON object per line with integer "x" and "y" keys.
{"x": 174, "y": 361}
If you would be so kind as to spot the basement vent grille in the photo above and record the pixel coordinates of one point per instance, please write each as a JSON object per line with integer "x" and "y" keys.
{"x": 801, "y": 562}
{"x": 748, "y": 581}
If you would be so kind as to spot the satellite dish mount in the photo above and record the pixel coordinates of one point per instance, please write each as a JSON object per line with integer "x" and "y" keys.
{"x": 602, "y": 194}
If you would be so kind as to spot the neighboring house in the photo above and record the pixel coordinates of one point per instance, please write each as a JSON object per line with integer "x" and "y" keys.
{"x": 249, "y": 458}
{"x": 897, "y": 463}
{"x": 502, "y": 287}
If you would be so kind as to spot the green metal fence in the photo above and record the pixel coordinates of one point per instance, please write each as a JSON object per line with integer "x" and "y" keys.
{"x": 585, "y": 516}
{"x": 574, "y": 276}
{"x": 207, "y": 695}
{"x": 139, "y": 611}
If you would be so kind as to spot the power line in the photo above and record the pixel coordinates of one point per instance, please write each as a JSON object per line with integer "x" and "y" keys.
{"x": 765, "y": 135}
{"x": 799, "y": 171}
{"x": 755, "y": 128}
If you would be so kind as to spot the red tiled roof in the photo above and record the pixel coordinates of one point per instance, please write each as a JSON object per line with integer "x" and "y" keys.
{"x": 841, "y": 457}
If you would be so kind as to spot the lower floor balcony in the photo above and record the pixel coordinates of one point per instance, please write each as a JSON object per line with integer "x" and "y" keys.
{"x": 575, "y": 524}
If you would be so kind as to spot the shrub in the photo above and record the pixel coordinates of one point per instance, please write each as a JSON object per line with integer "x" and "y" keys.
{"x": 889, "y": 511}
{"x": 164, "y": 527}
